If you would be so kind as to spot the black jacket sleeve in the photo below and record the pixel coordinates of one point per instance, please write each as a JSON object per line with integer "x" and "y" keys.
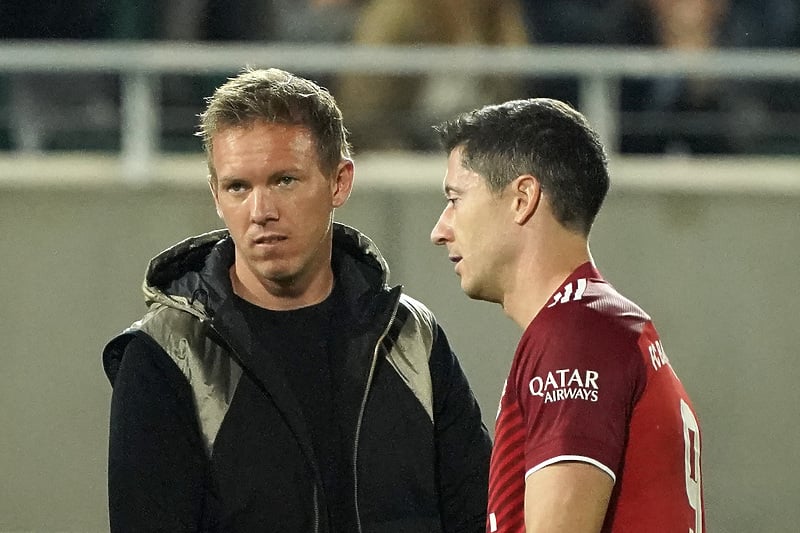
{"x": 462, "y": 442}
{"x": 157, "y": 466}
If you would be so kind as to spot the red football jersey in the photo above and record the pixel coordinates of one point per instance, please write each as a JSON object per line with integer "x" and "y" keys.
{"x": 590, "y": 382}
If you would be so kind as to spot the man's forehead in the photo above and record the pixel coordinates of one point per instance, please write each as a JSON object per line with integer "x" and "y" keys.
{"x": 458, "y": 178}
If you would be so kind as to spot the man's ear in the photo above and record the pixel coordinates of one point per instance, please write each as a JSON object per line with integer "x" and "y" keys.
{"x": 526, "y": 193}
{"x": 212, "y": 184}
{"x": 342, "y": 182}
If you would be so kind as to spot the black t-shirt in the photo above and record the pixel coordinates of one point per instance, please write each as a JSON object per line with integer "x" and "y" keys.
{"x": 300, "y": 341}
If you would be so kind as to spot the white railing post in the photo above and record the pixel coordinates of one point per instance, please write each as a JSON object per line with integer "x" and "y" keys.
{"x": 599, "y": 101}
{"x": 140, "y": 125}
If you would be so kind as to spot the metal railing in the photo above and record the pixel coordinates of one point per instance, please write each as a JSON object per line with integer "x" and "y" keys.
{"x": 599, "y": 72}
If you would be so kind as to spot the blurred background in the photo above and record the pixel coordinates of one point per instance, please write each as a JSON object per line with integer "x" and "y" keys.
{"x": 698, "y": 102}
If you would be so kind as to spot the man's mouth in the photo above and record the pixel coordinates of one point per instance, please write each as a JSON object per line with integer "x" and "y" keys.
{"x": 266, "y": 240}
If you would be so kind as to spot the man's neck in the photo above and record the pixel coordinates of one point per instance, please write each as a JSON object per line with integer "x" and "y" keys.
{"x": 536, "y": 280}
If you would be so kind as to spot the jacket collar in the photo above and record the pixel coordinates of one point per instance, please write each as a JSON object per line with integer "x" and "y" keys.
{"x": 193, "y": 274}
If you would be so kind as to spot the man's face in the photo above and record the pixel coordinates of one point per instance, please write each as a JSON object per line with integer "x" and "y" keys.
{"x": 474, "y": 227}
{"x": 277, "y": 204}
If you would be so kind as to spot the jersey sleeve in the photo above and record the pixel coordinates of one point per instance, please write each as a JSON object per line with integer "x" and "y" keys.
{"x": 577, "y": 390}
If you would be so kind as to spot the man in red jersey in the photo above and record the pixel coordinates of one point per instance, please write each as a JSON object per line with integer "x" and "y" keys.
{"x": 595, "y": 432}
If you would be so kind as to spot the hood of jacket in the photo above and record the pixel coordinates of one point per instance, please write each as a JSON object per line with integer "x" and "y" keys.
{"x": 193, "y": 274}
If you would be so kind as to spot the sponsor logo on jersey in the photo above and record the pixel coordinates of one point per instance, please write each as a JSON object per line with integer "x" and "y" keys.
{"x": 566, "y": 384}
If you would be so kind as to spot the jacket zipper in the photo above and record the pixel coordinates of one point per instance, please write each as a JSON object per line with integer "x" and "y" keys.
{"x": 238, "y": 359}
{"x": 363, "y": 408}
{"x": 316, "y": 508}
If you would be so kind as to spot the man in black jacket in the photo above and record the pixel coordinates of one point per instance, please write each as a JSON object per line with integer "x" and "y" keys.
{"x": 277, "y": 383}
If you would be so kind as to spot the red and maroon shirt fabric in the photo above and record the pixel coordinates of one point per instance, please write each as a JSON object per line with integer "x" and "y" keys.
{"x": 591, "y": 382}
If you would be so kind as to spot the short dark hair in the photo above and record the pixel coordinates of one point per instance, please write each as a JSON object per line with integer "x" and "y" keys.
{"x": 542, "y": 137}
{"x": 276, "y": 96}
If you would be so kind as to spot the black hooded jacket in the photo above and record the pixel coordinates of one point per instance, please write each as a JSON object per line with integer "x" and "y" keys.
{"x": 203, "y": 439}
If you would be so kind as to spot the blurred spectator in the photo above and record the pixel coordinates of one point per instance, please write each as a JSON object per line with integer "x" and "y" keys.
{"x": 686, "y": 115}
{"x": 677, "y": 114}
{"x": 394, "y": 112}
{"x": 696, "y": 114}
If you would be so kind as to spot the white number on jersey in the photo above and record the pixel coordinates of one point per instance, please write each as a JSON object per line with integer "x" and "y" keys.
{"x": 691, "y": 442}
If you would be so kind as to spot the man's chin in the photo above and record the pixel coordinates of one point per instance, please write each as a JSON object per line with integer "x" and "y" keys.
{"x": 274, "y": 275}
{"x": 269, "y": 269}
{"x": 280, "y": 278}
{"x": 475, "y": 293}
{"x": 470, "y": 291}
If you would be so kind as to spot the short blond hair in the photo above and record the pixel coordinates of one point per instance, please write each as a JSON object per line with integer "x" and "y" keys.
{"x": 276, "y": 96}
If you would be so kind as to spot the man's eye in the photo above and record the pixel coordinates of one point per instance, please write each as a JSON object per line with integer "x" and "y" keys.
{"x": 286, "y": 180}
{"x": 236, "y": 187}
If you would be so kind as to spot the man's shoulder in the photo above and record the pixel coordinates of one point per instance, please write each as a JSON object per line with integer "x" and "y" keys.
{"x": 162, "y": 330}
{"x": 584, "y": 302}
{"x": 414, "y": 324}
{"x": 592, "y": 321}
{"x": 418, "y": 310}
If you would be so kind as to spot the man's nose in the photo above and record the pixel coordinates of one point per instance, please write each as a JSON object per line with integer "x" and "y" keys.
{"x": 441, "y": 232}
{"x": 262, "y": 208}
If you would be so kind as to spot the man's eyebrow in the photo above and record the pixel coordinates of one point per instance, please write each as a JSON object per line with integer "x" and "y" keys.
{"x": 448, "y": 189}
{"x": 228, "y": 178}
